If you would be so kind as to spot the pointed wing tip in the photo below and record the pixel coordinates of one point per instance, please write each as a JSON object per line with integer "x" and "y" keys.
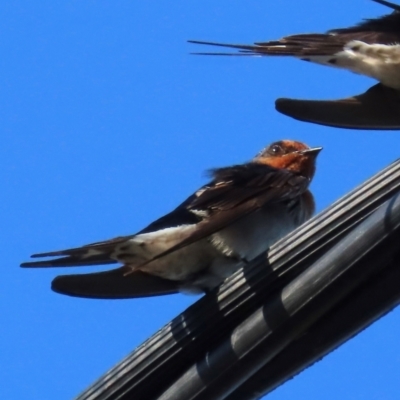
{"x": 205, "y": 43}
{"x": 376, "y": 109}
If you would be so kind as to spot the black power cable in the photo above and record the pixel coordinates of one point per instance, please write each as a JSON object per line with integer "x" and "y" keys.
{"x": 154, "y": 366}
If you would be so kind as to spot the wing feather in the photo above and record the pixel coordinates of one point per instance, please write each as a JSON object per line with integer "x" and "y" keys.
{"x": 233, "y": 193}
{"x": 236, "y": 192}
{"x": 99, "y": 253}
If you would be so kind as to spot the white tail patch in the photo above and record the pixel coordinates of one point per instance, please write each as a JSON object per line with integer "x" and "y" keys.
{"x": 389, "y": 54}
{"x": 145, "y": 246}
{"x": 91, "y": 252}
{"x": 378, "y": 61}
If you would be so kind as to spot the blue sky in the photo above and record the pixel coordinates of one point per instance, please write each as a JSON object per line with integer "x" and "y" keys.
{"x": 108, "y": 123}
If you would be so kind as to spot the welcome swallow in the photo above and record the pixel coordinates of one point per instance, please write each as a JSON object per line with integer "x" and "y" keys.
{"x": 223, "y": 225}
{"x": 370, "y": 48}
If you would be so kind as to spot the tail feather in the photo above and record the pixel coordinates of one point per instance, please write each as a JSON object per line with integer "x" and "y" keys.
{"x": 302, "y": 45}
{"x": 244, "y": 50}
{"x": 71, "y": 261}
{"x": 227, "y": 45}
{"x": 98, "y": 253}
{"x": 241, "y": 53}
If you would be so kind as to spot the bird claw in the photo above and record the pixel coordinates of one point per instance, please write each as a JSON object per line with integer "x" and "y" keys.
{"x": 244, "y": 261}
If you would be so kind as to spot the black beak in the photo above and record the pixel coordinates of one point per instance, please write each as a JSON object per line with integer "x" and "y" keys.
{"x": 314, "y": 151}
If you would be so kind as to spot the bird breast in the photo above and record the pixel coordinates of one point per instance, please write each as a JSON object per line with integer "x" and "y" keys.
{"x": 255, "y": 233}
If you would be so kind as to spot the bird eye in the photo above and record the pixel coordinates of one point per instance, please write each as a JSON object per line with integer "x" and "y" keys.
{"x": 275, "y": 150}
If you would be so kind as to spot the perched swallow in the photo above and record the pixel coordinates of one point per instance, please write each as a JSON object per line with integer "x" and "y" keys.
{"x": 226, "y": 223}
{"x": 371, "y": 48}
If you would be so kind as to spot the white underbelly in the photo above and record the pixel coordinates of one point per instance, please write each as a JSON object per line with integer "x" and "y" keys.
{"x": 378, "y": 61}
{"x": 179, "y": 265}
{"x": 206, "y": 263}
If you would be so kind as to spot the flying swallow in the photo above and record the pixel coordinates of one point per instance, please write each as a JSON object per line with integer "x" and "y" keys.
{"x": 226, "y": 223}
{"x": 371, "y": 48}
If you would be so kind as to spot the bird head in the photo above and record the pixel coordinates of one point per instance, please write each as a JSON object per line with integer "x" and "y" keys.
{"x": 290, "y": 155}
